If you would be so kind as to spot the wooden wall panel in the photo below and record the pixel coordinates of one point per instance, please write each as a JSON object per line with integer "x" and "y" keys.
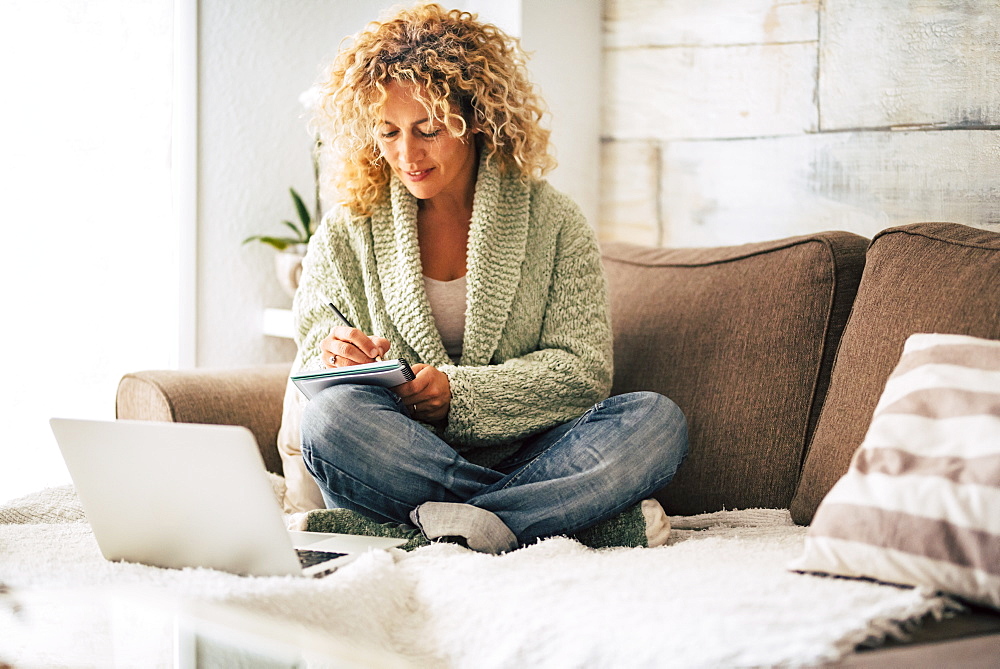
{"x": 774, "y": 118}
{"x": 687, "y": 93}
{"x": 640, "y": 23}
{"x": 630, "y": 182}
{"x": 731, "y": 192}
{"x": 921, "y": 62}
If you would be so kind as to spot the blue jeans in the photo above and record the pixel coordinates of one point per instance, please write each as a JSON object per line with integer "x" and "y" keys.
{"x": 367, "y": 454}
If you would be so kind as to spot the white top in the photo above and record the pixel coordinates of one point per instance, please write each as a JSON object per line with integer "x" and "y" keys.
{"x": 448, "y": 300}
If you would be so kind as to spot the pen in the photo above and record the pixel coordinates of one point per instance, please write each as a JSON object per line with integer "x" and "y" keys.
{"x": 343, "y": 319}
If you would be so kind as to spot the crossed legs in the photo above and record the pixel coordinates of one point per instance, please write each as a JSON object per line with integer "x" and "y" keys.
{"x": 368, "y": 455}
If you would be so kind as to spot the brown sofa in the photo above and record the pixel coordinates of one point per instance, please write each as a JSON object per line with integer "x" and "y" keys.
{"x": 776, "y": 351}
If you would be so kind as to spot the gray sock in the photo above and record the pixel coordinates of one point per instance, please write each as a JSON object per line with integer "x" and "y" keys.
{"x": 482, "y": 530}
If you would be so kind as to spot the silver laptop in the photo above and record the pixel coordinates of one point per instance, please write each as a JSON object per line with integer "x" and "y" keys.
{"x": 184, "y": 495}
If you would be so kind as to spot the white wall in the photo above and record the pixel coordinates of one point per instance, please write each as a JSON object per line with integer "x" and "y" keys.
{"x": 255, "y": 58}
{"x": 564, "y": 38}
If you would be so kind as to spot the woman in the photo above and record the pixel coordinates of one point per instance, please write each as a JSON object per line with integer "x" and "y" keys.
{"x": 450, "y": 251}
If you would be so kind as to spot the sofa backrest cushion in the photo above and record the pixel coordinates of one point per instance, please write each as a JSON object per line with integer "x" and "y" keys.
{"x": 925, "y": 277}
{"x": 742, "y": 338}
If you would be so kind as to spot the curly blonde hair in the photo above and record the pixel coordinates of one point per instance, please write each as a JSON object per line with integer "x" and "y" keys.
{"x": 469, "y": 74}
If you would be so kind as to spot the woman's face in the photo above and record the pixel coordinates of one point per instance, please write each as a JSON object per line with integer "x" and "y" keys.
{"x": 421, "y": 152}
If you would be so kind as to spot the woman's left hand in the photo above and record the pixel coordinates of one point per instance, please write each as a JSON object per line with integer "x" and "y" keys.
{"x": 428, "y": 396}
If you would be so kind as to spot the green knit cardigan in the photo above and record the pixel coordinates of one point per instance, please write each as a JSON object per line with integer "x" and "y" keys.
{"x": 537, "y": 346}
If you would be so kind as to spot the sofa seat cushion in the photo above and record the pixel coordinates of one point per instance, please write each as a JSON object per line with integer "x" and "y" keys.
{"x": 924, "y": 277}
{"x": 742, "y": 338}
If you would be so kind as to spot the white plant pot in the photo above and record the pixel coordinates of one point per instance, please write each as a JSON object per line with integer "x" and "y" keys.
{"x": 288, "y": 266}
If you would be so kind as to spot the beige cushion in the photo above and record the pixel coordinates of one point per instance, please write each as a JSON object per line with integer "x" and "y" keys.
{"x": 918, "y": 504}
{"x": 925, "y": 277}
{"x": 301, "y": 491}
{"x": 742, "y": 338}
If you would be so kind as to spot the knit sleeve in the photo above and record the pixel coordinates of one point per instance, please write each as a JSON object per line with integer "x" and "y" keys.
{"x": 329, "y": 274}
{"x": 569, "y": 372}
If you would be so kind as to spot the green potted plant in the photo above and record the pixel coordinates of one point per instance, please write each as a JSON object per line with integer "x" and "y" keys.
{"x": 302, "y": 231}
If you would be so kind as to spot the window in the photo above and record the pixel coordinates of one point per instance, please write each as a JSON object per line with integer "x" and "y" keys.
{"x": 90, "y": 268}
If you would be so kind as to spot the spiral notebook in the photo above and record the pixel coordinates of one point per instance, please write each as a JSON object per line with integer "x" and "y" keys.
{"x": 387, "y": 373}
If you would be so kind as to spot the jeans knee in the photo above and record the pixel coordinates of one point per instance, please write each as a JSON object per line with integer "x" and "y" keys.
{"x": 354, "y": 428}
{"x": 338, "y": 416}
{"x": 317, "y": 422}
{"x": 669, "y": 420}
{"x": 659, "y": 405}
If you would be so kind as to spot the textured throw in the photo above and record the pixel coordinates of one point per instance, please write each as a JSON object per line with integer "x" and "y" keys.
{"x": 718, "y": 594}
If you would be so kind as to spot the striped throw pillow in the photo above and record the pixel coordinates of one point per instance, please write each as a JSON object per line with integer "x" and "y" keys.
{"x": 920, "y": 502}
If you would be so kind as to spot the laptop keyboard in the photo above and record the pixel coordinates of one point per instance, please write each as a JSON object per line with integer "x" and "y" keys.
{"x": 308, "y": 558}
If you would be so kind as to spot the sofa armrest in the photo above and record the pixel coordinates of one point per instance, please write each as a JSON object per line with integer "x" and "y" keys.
{"x": 250, "y": 396}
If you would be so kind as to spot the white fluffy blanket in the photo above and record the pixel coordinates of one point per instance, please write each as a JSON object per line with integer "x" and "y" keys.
{"x": 718, "y": 594}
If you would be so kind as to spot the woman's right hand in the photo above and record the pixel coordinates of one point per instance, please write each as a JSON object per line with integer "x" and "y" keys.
{"x": 347, "y": 346}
